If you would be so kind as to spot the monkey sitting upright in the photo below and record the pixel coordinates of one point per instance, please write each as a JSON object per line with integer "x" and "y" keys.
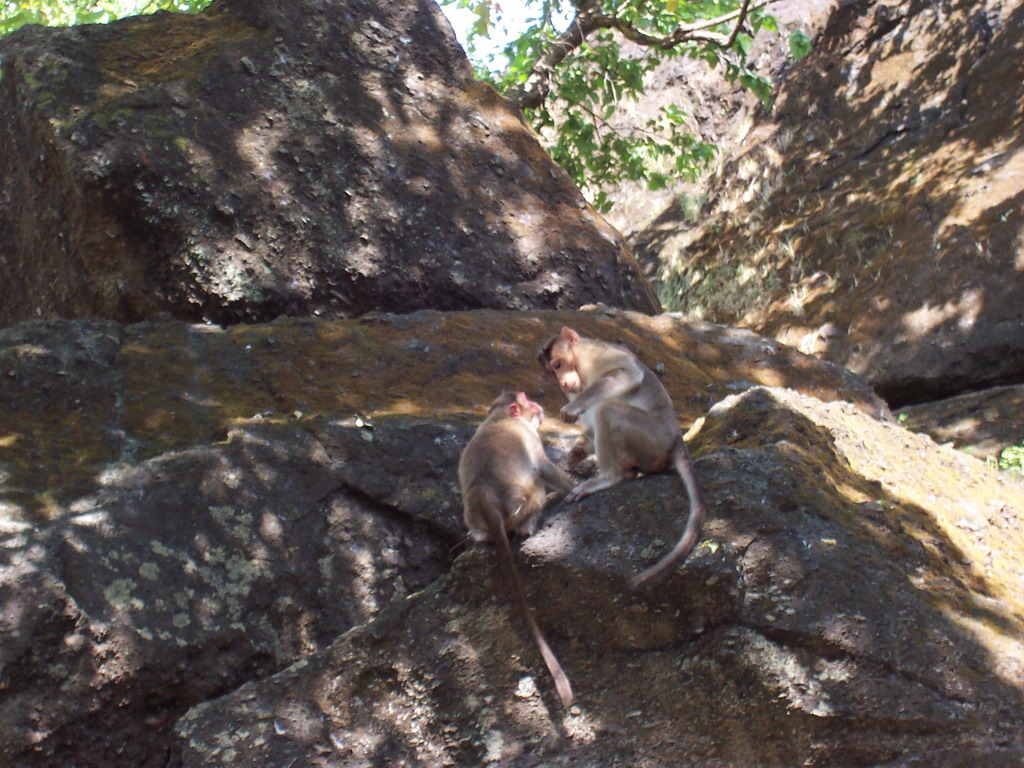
{"x": 502, "y": 474}
{"x": 628, "y": 417}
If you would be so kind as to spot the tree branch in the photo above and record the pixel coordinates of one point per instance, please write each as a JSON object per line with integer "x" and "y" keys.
{"x": 588, "y": 19}
{"x": 532, "y": 93}
{"x": 743, "y": 10}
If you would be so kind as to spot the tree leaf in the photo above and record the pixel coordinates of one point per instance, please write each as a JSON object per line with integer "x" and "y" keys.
{"x": 482, "y": 25}
{"x": 799, "y": 44}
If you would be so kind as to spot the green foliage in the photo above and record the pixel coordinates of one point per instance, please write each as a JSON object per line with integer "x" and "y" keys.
{"x": 580, "y": 120}
{"x": 1011, "y": 459}
{"x": 586, "y": 141}
{"x": 62, "y": 13}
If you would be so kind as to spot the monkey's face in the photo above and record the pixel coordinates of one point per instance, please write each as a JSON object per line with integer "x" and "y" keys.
{"x": 561, "y": 362}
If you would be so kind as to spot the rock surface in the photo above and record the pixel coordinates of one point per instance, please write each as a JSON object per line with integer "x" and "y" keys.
{"x": 981, "y": 423}
{"x": 184, "y": 508}
{"x": 181, "y": 577}
{"x": 847, "y": 608}
{"x": 261, "y": 159}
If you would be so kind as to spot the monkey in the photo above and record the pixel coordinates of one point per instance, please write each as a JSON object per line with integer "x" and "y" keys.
{"x": 628, "y": 417}
{"x": 502, "y": 474}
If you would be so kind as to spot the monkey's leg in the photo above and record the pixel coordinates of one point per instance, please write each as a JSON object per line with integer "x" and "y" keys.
{"x": 591, "y": 486}
{"x": 626, "y": 439}
{"x": 521, "y": 508}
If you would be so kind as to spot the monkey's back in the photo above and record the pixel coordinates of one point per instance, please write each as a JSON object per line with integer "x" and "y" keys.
{"x": 649, "y": 395}
{"x": 501, "y": 462}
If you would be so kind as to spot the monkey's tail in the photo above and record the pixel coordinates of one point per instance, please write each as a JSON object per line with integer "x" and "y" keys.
{"x": 684, "y": 466}
{"x": 496, "y": 524}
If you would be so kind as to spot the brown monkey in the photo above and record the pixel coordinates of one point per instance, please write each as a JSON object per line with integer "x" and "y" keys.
{"x": 502, "y": 474}
{"x": 628, "y": 416}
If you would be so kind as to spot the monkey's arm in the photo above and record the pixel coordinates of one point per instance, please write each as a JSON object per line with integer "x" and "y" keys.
{"x": 555, "y": 477}
{"x": 609, "y": 386}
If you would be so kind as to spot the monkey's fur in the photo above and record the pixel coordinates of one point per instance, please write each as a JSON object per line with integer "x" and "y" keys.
{"x": 502, "y": 474}
{"x": 628, "y": 417}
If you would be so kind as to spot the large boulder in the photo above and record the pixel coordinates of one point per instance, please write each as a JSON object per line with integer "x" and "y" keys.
{"x": 185, "y": 508}
{"x": 260, "y": 159}
{"x": 848, "y": 607}
{"x": 180, "y": 578}
{"x": 79, "y": 397}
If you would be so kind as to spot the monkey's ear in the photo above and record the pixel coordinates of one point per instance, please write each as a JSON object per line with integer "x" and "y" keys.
{"x": 515, "y": 411}
{"x": 569, "y": 336}
{"x": 544, "y": 358}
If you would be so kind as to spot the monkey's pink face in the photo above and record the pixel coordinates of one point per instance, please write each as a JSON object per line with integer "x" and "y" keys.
{"x": 530, "y": 410}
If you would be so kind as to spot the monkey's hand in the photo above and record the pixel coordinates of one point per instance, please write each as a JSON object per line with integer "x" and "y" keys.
{"x": 569, "y": 414}
{"x": 577, "y": 454}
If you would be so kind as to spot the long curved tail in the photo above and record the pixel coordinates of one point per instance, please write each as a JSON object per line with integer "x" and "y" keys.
{"x": 686, "y": 543}
{"x": 496, "y": 524}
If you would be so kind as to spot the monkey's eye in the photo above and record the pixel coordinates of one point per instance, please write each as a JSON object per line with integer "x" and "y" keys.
{"x": 557, "y": 364}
